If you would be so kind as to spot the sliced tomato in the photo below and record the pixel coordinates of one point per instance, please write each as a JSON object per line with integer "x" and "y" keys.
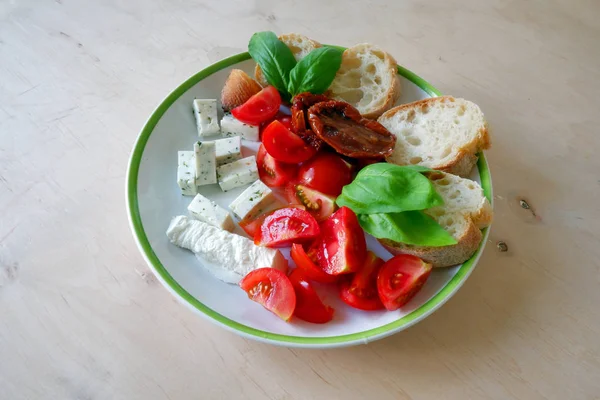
{"x": 259, "y": 108}
{"x": 309, "y": 307}
{"x": 285, "y": 226}
{"x": 308, "y": 267}
{"x": 361, "y": 291}
{"x": 272, "y": 172}
{"x": 272, "y": 289}
{"x": 326, "y": 172}
{"x": 400, "y": 279}
{"x": 285, "y": 119}
{"x": 252, "y": 225}
{"x": 284, "y": 145}
{"x": 341, "y": 247}
{"x": 320, "y": 205}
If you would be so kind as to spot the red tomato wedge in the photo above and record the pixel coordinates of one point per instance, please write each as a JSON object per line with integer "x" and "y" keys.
{"x": 285, "y": 119}
{"x": 272, "y": 289}
{"x": 309, "y": 307}
{"x": 361, "y": 291}
{"x": 285, "y": 226}
{"x": 259, "y": 108}
{"x": 284, "y": 145}
{"x": 272, "y": 172}
{"x": 326, "y": 172}
{"x": 341, "y": 247}
{"x": 320, "y": 205}
{"x": 252, "y": 225}
{"x": 308, "y": 267}
{"x": 400, "y": 279}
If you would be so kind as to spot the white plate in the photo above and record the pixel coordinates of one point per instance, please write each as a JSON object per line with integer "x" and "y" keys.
{"x": 153, "y": 198}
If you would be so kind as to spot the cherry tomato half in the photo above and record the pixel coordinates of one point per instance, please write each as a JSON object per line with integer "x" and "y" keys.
{"x": 341, "y": 247}
{"x": 400, "y": 279}
{"x": 309, "y": 307}
{"x": 361, "y": 291}
{"x": 308, "y": 267}
{"x": 285, "y": 226}
{"x": 259, "y": 108}
{"x": 272, "y": 172}
{"x": 320, "y": 205}
{"x": 284, "y": 145}
{"x": 272, "y": 289}
{"x": 252, "y": 225}
{"x": 327, "y": 172}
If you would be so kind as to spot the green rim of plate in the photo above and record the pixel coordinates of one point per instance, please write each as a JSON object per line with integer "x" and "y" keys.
{"x": 359, "y": 337}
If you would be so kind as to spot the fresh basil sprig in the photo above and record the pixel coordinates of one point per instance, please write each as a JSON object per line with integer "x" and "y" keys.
{"x": 384, "y": 188}
{"x": 389, "y": 200}
{"x": 314, "y": 73}
{"x": 275, "y": 59}
{"x": 410, "y": 227}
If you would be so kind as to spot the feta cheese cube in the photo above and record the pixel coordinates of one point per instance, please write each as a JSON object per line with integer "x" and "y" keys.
{"x": 206, "y": 163}
{"x": 186, "y": 173}
{"x": 211, "y": 213}
{"x": 237, "y": 173}
{"x": 207, "y": 121}
{"x": 233, "y": 127}
{"x": 253, "y": 201}
{"x": 228, "y": 150}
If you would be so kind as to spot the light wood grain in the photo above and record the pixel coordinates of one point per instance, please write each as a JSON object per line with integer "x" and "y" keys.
{"x": 81, "y": 316}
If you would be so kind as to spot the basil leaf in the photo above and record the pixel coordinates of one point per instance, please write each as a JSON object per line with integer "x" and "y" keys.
{"x": 275, "y": 59}
{"x": 384, "y": 188}
{"x": 315, "y": 72}
{"x": 410, "y": 227}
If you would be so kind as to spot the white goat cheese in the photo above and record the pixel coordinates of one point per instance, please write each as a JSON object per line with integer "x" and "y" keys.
{"x": 235, "y": 255}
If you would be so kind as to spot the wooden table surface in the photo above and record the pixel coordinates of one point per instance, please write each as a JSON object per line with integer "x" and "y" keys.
{"x": 81, "y": 315}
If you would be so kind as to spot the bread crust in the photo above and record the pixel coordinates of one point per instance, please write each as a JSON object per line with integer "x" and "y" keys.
{"x": 464, "y": 161}
{"x": 445, "y": 256}
{"x": 393, "y": 92}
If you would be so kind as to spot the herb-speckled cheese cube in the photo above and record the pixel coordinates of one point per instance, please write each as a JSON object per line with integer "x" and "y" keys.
{"x": 206, "y": 163}
{"x": 233, "y": 127}
{"x": 237, "y": 173}
{"x": 211, "y": 213}
{"x": 252, "y": 201}
{"x": 228, "y": 150}
{"x": 186, "y": 172}
{"x": 207, "y": 121}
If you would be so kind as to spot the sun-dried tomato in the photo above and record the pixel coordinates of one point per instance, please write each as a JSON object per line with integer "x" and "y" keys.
{"x": 300, "y": 126}
{"x": 342, "y": 127}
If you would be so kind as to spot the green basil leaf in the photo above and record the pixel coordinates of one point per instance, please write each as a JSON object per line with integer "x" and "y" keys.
{"x": 275, "y": 59}
{"x": 315, "y": 72}
{"x": 410, "y": 227}
{"x": 385, "y": 188}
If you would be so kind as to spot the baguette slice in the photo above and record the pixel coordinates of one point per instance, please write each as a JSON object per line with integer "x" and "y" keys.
{"x": 367, "y": 79}
{"x": 300, "y": 46}
{"x": 441, "y": 133}
{"x": 466, "y": 210}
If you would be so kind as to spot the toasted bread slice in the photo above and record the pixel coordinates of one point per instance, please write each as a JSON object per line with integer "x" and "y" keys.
{"x": 300, "y": 46}
{"x": 442, "y": 133}
{"x": 466, "y": 210}
{"x": 367, "y": 79}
